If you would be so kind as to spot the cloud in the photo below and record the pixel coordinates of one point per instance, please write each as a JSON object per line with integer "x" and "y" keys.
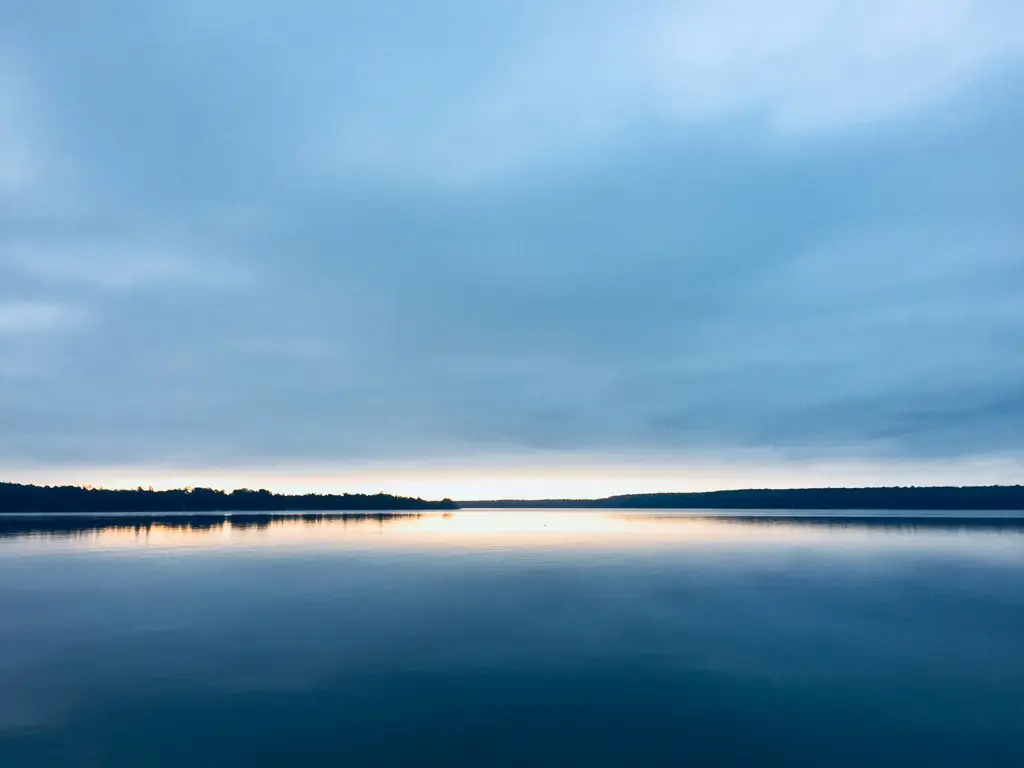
{"x": 378, "y": 234}
{"x": 33, "y": 338}
{"x": 793, "y": 70}
{"x": 19, "y": 156}
{"x": 812, "y": 66}
{"x": 468, "y": 94}
{"x": 116, "y": 264}
{"x": 22, "y": 317}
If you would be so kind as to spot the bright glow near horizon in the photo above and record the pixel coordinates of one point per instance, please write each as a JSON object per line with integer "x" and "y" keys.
{"x": 559, "y": 477}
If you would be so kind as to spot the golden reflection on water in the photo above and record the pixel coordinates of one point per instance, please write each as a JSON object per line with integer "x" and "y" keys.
{"x": 488, "y": 529}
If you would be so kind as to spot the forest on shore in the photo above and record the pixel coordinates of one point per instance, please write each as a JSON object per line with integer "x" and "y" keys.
{"x": 15, "y": 497}
{"x": 938, "y": 498}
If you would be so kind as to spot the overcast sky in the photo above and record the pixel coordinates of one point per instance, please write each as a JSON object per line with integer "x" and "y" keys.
{"x": 512, "y": 248}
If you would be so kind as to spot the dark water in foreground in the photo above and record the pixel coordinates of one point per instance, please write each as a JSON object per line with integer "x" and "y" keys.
{"x": 511, "y": 638}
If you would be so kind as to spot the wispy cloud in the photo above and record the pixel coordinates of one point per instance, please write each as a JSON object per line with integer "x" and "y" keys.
{"x": 21, "y": 318}
{"x": 810, "y": 66}
{"x": 589, "y": 79}
{"x": 116, "y": 264}
{"x": 20, "y": 158}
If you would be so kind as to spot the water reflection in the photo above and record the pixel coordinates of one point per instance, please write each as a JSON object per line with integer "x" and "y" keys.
{"x": 511, "y": 638}
{"x": 483, "y": 529}
{"x": 72, "y": 526}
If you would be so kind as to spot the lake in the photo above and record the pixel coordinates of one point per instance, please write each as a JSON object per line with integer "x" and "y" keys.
{"x": 512, "y": 638}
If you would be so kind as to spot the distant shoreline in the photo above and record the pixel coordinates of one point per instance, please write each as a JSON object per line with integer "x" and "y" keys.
{"x": 893, "y": 499}
{"x": 22, "y": 498}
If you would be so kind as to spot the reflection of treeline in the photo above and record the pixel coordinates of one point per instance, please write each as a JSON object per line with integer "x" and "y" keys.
{"x": 34, "y": 498}
{"x": 139, "y": 524}
{"x": 994, "y": 497}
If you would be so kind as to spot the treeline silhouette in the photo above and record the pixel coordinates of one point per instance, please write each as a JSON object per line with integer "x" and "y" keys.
{"x": 15, "y": 497}
{"x": 938, "y": 498}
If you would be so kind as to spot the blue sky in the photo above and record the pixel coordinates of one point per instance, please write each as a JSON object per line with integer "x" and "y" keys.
{"x": 512, "y": 248}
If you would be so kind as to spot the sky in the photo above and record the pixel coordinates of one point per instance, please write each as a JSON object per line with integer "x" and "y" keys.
{"x": 512, "y": 248}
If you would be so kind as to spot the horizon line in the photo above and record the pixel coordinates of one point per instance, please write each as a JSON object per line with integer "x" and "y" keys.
{"x": 190, "y": 488}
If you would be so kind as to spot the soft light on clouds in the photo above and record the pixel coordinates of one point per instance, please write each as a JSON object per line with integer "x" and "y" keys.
{"x": 655, "y": 234}
{"x": 19, "y": 318}
{"x": 811, "y": 66}
{"x": 19, "y": 158}
{"x": 591, "y": 78}
{"x": 115, "y": 264}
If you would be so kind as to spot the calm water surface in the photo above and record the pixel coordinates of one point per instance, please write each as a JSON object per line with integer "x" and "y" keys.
{"x": 511, "y": 638}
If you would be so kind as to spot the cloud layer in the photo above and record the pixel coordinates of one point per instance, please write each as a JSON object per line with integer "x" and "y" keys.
{"x": 251, "y": 234}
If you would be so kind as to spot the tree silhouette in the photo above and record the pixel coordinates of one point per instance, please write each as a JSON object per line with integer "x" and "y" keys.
{"x": 16, "y": 497}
